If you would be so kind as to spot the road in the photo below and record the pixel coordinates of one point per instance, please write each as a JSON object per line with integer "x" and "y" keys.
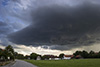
{"x": 20, "y": 63}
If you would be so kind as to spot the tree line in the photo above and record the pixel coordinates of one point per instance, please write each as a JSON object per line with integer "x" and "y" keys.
{"x": 86, "y": 54}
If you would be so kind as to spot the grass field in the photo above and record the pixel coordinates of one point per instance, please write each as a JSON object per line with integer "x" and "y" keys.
{"x": 66, "y": 63}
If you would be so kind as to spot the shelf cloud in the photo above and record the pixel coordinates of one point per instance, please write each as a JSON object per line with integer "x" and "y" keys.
{"x": 56, "y": 25}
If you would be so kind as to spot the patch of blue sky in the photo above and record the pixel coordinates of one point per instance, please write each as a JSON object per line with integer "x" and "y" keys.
{"x": 5, "y": 2}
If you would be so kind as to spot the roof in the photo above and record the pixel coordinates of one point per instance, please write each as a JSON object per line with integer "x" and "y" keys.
{"x": 69, "y": 55}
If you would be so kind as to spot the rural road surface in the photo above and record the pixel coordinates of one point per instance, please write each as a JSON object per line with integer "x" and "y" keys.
{"x": 20, "y": 63}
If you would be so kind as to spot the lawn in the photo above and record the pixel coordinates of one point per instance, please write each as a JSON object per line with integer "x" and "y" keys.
{"x": 66, "y": 63}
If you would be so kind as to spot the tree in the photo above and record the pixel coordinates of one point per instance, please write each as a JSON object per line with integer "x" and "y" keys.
{"x": 61, "y": 55}
{"x": 46, "y": 57}
{"x": 91, "y": 54}
{"x": 84, "y": 54}
{"x": 0, "y": 52}
{"x": 20, "y": 56}
{"x": 10, "y": 52}
{"x": 33, "y": 56}
{"x": 10, "y": 49}
{"x": 16, "y": 54}
{"x": 27, "y": 57}
{"x": 99, "y": 54}
{"x": 77, "y": 53}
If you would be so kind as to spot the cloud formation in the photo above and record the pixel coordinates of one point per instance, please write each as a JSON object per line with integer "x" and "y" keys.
{"x": 4, "y": 28}
{"x": 72, "y": 26}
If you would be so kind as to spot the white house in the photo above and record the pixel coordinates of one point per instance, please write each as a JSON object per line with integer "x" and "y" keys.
{"x": 68, "y": 57}
{"x": 54, "y": 58}
{"x": 38, "y": 58}
{"x": 57, "y": 59}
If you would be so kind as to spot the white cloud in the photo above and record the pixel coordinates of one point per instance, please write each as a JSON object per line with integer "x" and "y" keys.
{"x": 26, "y": 50}
{"x": 2, "y": 46}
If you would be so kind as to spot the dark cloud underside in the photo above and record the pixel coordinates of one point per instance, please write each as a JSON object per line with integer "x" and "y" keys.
{"x": 61, "y": 25}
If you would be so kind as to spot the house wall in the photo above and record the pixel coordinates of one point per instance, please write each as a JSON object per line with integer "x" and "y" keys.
{"x": 54, "y": 58}
{"x": 38, "y": 58}
{"x": 57, "y": 58}
{"x": 67, "y": 58}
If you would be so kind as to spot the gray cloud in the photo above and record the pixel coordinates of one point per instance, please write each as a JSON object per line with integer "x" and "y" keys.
{"x": 4, "y": 28}
{"x": 61, "y": 25}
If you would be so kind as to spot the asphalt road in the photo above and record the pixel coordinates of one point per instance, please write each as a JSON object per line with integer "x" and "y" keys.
{"x": 20, "y": 63}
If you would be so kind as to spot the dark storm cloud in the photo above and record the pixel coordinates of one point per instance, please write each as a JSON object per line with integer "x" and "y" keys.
{"x": 61, "y": 25}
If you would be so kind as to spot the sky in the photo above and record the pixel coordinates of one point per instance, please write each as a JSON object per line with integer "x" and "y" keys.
{"x": 50, "y": 26}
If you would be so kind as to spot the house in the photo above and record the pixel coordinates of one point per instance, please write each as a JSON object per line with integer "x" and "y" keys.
{"x": 57, "y": 59}
{"x": 2, "y": 58}
{"x": 52, "y": 57}
{"x": 68, "y": 57}
{"x": 38, "y": 58}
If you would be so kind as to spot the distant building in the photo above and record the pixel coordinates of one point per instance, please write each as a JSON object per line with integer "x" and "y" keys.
{"x": 2, "y": 58}
{"x": 68, "y": 57}
{"x": 38, "y": 58}
{"x": 57, "y": 58}
{"x": 54, "y": 58}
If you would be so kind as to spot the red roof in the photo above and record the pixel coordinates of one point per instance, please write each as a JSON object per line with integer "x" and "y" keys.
{"x": 69, "y": 55}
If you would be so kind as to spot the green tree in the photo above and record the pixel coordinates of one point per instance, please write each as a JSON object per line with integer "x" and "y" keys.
{"x": 61, "y": 55}
{"x": 91, "y": 54}
{"x": 84, "y": 54}
{"x": 0, "y": 52}
{"x": 9, "y": 51}
{"x": 77, "y": 53}
{"x": 33, "y": 56}
{"x": 27, "y": 57}
{"x": 45, "y": 57}
{"x": 20, "y": 56}
{"x": 99, "y": 54}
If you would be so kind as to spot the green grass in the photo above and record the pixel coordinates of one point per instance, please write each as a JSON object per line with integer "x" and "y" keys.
{"x": 66, "y": 63}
